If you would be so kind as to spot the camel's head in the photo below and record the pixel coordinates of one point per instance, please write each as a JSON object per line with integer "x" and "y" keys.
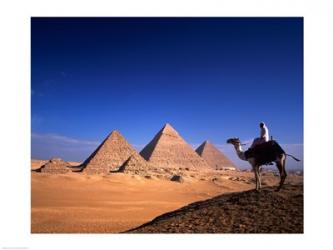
{"x": 234, "y": 141}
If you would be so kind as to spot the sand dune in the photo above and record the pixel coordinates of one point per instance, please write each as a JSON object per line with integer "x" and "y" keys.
{"x": 242, "y": 212}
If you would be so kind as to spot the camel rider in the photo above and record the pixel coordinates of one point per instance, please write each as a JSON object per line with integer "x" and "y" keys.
{"x": 264, "y": 136}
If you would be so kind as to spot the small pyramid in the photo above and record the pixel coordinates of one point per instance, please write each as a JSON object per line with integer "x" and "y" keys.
{"x": 55, "y": 166}
{"x": 169, "y": 150}
{"x": 113, "y": 152}
{"x": 135, "y": 164}
{"x": 214, "y": 157}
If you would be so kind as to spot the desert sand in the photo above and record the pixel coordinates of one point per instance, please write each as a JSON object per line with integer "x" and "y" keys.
{"x": 116, "y": 189}
{"x": 81, "y": 203}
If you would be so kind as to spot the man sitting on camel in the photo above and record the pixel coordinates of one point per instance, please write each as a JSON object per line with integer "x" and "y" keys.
{"x": 264, "y": 136}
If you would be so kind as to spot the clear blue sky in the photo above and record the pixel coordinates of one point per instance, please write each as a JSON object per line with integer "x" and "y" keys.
{"x": 211, "y": 78}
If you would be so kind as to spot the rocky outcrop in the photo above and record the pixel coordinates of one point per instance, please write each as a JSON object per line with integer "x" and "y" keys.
{"x": 177, "y": 178}
{"x": 243, "y": 212}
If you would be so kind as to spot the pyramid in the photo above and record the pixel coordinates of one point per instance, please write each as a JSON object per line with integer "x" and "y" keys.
{"x": 113, "y": 152}
{"x": 169, "y": 150}
{"x": 135, "y": 164}
{"x": 55, "y": 166}
{"x": 214, "y": 157}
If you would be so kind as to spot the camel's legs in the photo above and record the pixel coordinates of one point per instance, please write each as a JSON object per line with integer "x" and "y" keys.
{"x": 257, "y": 175}
{"x": 281, "y": 163}
{"x": 255, "y": 168}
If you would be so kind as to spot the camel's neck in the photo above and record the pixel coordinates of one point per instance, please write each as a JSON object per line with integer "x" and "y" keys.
{"x": 240, "y": 152}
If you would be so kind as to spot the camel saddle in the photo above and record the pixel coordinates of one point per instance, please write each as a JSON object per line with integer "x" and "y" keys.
{"x": 265, "y": 152}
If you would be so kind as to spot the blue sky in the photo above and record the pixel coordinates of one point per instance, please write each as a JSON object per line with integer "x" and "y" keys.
{"x": 211, "y": 78}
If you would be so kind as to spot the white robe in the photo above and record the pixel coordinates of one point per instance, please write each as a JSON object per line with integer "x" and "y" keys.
{"x": 264, "y": 133}
{"x": 264, "y": 137}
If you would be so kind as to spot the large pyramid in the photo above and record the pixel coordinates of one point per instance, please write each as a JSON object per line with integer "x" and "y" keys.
{"x": 114, "y": 153}
{"x": 214, "y": 157}
{"x": 169, "y": 150}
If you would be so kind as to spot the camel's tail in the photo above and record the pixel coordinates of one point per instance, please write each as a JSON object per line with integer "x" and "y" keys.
{"x": 293, "y": 157}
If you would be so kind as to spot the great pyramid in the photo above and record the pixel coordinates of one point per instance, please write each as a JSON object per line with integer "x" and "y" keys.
{"x": 169, "y": 150}
{"x": 114, "y": 153}
{"x": 55, "y": 166}
{"x": 214, "y": 157}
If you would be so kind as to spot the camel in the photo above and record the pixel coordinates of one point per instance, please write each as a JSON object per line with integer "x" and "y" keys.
{"x": 262, "y": 154}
